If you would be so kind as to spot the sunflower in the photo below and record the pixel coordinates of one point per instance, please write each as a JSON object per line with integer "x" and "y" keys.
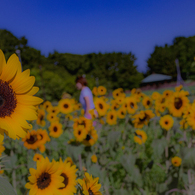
{"x": 46, "y": 179}
{"x": 69, "y": 117}
{"x": 131, "y": 104}
{"x": 120, "y": 100}
{"x": 44, "y": 137}
{"x": 176, "y": 161}
{"x": 94, "y": 158}
{"x": 17, "y": 100}
{"x": 94, "y": 91}
{"x": 89, "y": 185}
{"x": 37, "y": 157}
{"x": 69, "y": 159}
{"x": 178, "y": 88}
{"x": 80, "y": 133}
{"x": 65, "y": 106}
{"x": 166, "y": 122}
{"x": 82, "y": 121}
{"x": 69, "y": 175}
{"x": 55, "y": 129}
{"x": 2, "y": 148}
{"x": 191, "y": 118}
{"x": 101, "y": 90}
{"x": 121, "y": 113}
{"x": 47, "y": 105}
{"x": 101, "y": 106}
{"x": 167, "y": 94}
{"x": 53, "y": 109}
{"x": 142, "y": 118}
{"x": 31, "y": 140}
{"x": 42, "y": 148}
{"x": 91, "y": 137}
{"x": 41, "y": 117}
{"x": 140, "y": 136}
{"x": 111, "y": 117}
{"x": 51, "y": 117}
{"x": 155, "y": 95}
{"x": 177, "y": 103}
{"x": 147, "y": 102}
{"x": 114, "y": 105}
{"x": 116, "y": 93}
{"x": 184, "y": 124}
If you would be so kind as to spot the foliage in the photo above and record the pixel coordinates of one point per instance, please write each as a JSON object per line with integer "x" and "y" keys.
{"x": 162, "y": 60}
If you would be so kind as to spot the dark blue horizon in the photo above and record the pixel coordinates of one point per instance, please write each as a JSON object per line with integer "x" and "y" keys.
{"x": 99, "y": 26}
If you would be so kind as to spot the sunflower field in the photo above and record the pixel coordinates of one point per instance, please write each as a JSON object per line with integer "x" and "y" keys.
{"x": 139, "y": 144}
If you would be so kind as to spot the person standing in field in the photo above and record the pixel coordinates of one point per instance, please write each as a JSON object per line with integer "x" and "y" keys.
{"x": 86, "y": 97}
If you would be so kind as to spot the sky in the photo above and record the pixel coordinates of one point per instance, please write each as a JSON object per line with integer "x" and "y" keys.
{"x": 87, "y": 26}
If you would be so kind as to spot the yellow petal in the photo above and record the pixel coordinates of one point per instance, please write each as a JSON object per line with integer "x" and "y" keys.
{"x": 2, "y": 61}
{"x": 25, "y": 86}
{"x": 28, "y": 100}
{"x": 33, "y": 91}
{"x": 28, "y": 112}
{"x": 11, "y": 68}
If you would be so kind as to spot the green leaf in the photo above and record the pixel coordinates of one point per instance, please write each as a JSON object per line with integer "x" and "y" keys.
{"x": 159, "y": 146}
{"x": 128, "y": 162}
{"x": 6, "y": 188}
{"x": 113, "y": 136}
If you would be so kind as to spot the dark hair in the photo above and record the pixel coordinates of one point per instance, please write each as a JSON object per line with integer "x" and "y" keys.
{"x": 81, "y": 80}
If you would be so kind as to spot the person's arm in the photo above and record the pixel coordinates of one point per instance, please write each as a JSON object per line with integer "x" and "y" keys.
{"x": 87, "y": 104}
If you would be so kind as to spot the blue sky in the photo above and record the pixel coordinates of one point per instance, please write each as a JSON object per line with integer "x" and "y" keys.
{"x": 82, "y": 27}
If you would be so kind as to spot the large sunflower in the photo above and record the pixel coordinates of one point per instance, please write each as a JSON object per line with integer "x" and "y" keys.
{"x": 101, "y": 106}
{"x": 147, "y": 102}
{"x": 177, "y": 103}
{"x": 31, "y": 140}
{"x": 91, "y": 137}
{"x": 55, "y": 129}
{"x": 111, "y": 117}
{"x": 166, "y": 122}
{"x": 80, "y": 133}
{"x": 89, "y": 185}
{"x": 101, "y": 90}
{"x": 41, "y": 117}
{"x": 142, "y": 118}
{"x": 17, "y": 100}
{"x": 65, "y": 106}
{"x": 140, "y": 137}
{"x": 121, "y": 113}
{"x": 46, "y": 179}
{"x": 69, "y": 175}
{"x": 131, "y": 104}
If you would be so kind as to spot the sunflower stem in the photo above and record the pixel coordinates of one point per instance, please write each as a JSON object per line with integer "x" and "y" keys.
{"x": 167, "y": 151}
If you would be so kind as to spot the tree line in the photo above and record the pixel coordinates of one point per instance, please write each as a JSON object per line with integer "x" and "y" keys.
{"x": 56, "y": 73}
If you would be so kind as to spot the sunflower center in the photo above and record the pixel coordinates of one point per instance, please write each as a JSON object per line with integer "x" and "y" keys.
{"x": 88, "y": 137}
{"x": 148, "y": 102}
{"x": 166, "y": 122}
{"x": 41, "y": 117}
{"x": 32, "y": 139}
{"x": 101, "y": 106}
{"x": 178, "y": 103}
{"x": 8, "y": 99}
{"x": 55, "y": 129}
{"x": 65, "y": 180}
{"x": 44, "y": 180}
{"x": 79, "y": 132}
{"x": 111, "y": 117}
{"x": 122, "y": 113}
{"x": 132, "y": 105}
{"x": 90, "y": 192}
{"x": 65, "y": 105}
